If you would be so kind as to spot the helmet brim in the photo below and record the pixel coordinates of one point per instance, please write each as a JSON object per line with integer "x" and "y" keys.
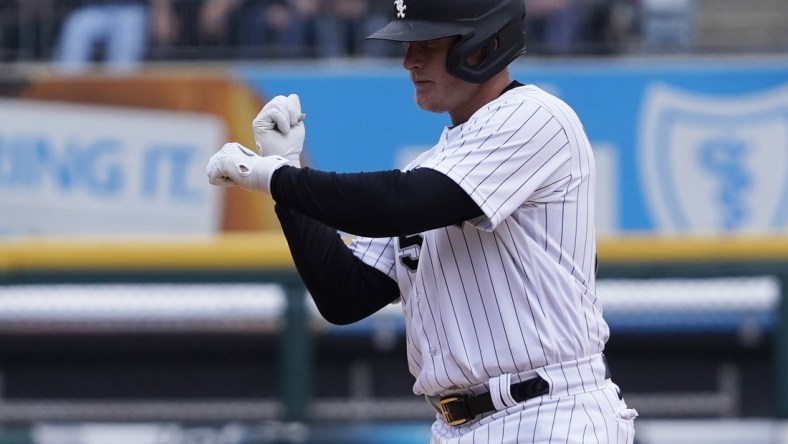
{"x": 414, "y": 31}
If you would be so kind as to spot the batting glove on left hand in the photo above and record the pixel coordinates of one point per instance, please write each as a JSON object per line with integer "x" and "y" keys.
{"x": 235, "y": 164}
{"x": 279, "y": 128}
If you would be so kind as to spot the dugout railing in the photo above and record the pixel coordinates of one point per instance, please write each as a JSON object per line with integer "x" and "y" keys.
{"x": 712, "y": 304}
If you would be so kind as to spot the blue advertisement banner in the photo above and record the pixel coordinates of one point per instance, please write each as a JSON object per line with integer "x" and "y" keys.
{"x": 694, "y": 146}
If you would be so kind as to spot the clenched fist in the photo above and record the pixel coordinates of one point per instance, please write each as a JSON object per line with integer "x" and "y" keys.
{"x": 279, "y": 129}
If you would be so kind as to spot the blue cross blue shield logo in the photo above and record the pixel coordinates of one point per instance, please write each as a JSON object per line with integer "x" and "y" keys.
{"x": 714, "y": 164}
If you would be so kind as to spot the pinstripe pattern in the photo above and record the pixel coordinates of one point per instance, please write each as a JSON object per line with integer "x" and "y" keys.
{"x": 513, "y": 290}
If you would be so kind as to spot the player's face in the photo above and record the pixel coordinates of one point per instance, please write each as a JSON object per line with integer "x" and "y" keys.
{"x": 437, "y": 90}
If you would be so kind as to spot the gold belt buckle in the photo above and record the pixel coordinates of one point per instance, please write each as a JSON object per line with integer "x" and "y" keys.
{"x": 446, "y": 414}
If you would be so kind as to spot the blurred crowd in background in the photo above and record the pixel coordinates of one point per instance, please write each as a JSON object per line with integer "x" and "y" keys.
{"x": 125, "y": 33}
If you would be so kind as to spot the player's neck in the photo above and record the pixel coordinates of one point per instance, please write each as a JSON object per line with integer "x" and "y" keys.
{"x": 489, "y": 91}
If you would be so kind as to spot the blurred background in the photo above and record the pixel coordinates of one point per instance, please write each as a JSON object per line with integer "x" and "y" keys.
{"x": 140, "y": 305}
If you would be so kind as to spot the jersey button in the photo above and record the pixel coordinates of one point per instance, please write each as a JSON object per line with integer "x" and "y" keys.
{"x": 433, "y": 351}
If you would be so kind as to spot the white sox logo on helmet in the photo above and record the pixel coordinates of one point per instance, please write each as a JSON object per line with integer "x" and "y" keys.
{"x": 400, "y": 8}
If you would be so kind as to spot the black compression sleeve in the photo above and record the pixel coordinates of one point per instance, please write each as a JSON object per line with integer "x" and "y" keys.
{"x": 344, "y": 288}
{"x": 375, "y": 204}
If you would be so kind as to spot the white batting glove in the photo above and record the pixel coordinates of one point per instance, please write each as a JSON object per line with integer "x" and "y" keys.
{"x": 279, "y": 128}
{"x": 237, "y": 165}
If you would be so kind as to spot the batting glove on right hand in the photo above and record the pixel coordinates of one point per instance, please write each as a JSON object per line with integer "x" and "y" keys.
{"x": 279, "y": 129}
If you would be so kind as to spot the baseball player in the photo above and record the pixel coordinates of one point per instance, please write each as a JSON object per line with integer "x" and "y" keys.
{"x": 486, "y": 240}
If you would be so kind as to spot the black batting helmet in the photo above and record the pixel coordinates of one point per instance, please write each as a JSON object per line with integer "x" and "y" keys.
{"x": 498, "y": 26}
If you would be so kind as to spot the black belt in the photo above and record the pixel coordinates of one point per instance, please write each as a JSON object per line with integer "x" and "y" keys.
{"x": 458, "y": 410}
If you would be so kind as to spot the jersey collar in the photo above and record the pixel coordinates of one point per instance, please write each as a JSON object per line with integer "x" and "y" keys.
{"x": 514, "y": 84}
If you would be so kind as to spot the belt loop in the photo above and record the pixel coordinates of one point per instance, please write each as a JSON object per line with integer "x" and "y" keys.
{"x": 501, "y": 392}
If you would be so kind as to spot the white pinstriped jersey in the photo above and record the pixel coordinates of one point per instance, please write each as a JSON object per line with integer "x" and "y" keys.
{"x": 514, "y": 289}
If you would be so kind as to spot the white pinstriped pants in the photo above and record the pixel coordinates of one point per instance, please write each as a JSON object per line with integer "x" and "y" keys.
{"x": 582, "y": 407}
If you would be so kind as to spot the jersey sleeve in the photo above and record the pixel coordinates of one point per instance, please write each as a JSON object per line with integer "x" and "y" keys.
{"x": 376, "y": 252}
{"x": 512, "y": 154}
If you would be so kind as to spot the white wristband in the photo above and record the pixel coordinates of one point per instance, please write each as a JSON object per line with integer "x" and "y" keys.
{"x": 265, "y": 171}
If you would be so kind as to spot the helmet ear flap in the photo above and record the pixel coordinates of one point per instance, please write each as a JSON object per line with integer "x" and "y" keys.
{"x": 495, "y": 57}
{"x": 466, "y": 57}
